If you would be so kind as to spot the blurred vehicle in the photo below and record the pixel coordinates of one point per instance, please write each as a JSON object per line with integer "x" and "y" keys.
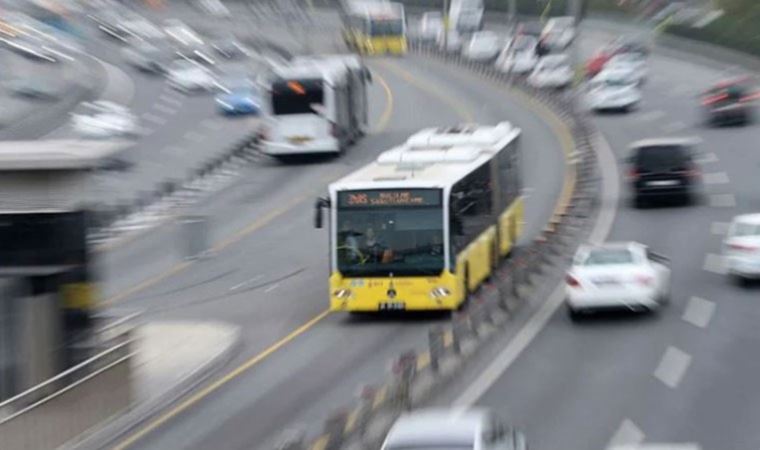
{"x": 482, "y": 46}
{"x": 181, "y": 33}
{"x": 631, "y": 65}
{"x": 729, "y": 102}
{"x": 214, "y": 7}
{"x": 616, "y": 275}
{"x": 518, "y": 56}
{"x": 431, "y": 24}
{"x": 453, "y": 42}
{"x": 103, "y": 119}
{"x": 141, "y": 28}
{"x": 229, "y": 48}
{"x": 633, "y": 44}
{"x": 190, "y": 76}
{"x": 741, "y": 248}
{"x": 558, "y": 33}
{"x": 613, "y": 90}
{"x": 315, "y": 105}
{"x": 598, "y": 60}
{"x": 466, "y": 16}
{"x": 452, "y": 429}
{"x": 238, "y": 96}
{"x": 147, "y": 57}
{"x": 30, "y": 47}
{"x": 552, "y": 71}
{"x": 662, "y": 168}
{"x": 375, "y": 28}
{"x": 110, "y": 23}
{"x": 34, "y": 87}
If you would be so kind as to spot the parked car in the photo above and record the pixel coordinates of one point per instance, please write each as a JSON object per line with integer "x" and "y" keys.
{"x": 617, "y": 276}
{"x": 633, "y": 65}
{"x": 431, "y": 25}
{"x": 552, "y": 71}
{"x": 558, "y": 33}
{"x": 482, "y": 46}
{"x": 613, "y": 90}
{"x": 730, "y": 102}
{"x": 453, "y": 40}
{"x": 104, "y": 119}
{"x": 663, "y": 168}
{"x": 741, "y": 248}
{"x": 519, "y": 55}
{"x": 190, "y": 76}
{"x": 444, "y": 429}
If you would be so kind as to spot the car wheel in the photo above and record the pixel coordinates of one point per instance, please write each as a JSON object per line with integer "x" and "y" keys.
{"x": 740, "y": 280}
{"x": 639, "y": 202}
{"x": 575, "y": 314}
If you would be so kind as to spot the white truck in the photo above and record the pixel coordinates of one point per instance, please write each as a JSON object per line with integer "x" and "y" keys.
{"x": 315, "y": 104}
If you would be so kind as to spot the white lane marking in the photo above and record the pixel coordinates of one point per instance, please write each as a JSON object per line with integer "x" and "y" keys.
{"x": 627, "y": 434}
{"x": 715, "y": 178}
{"x": 672, "y": 367}
{"x": 164, "y": 108}
{"x": 529, "y": 331}
{"x": 715, "y": 263}
{"x": 271, "y": 288}
{"x": 720, "y": 228}
{"x": 722, "y": 200}
{"x": 674, "y": 127}
{"x": 649, "y": 116}
{"x": 171, "y": 99}
{"x": 158, "y": 120}
{"x": 245, "y": 283}
{"x": 194, "y": 136}
{"x": 212, "y": 124}
{"x": 708, "y": 158}
{"x": 699, "y": 312}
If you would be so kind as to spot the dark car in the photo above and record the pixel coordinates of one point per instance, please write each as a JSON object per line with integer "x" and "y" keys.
{"x": 661, "y": 169}
{"x": 729, "y": 102}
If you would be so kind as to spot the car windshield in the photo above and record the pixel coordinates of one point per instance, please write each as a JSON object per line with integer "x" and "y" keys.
{"x": 387, "y": 27}
{"x": 383, "y": 240}
{"x": 672, "y": 157}
{"x": 607, "y": 256}
{"x": 742, "y": 229}
{"x": 296, "y": 96}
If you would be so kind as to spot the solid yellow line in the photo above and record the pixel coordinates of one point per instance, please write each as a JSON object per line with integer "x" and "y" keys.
{"x": 385, "y": 118}
{"x": 460, "y": 108}
{"x": 321, "y": 443}
{"x": 198, "y": 396}
{"x": 380, "y": 397}
{"x": 351, "y": 421}
{"x": 423, "y": 360}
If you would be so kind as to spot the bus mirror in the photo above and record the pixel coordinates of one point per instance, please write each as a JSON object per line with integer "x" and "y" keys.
{"x": 318, "y": 205}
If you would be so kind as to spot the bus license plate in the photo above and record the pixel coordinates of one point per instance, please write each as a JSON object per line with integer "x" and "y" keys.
{"x": 392, "y": 306}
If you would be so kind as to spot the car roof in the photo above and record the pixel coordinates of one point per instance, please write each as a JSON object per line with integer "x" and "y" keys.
{"x": 753, "y": 219}
{"x": 665, "y": 142}
{"x": 615, "y": 245}
{"x": 438, "y": 425}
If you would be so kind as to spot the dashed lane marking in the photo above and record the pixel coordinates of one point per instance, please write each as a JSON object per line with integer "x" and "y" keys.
{"x": 719, "y": 228}
{"x": 627, "y": 434}
{"x": 194, "y": 136}
{"x": 715, "y": 263}
{"x": 170, "y": 99}
{"x": 212, "y": 124}
{"x": 672, "y": 367}
{"x": 164, "y": 108}
{"x": 154, "y": 118}
{"x": 271, "y": 288}
{"x": 649, "y": 116}
{"x": 708, "y": 158}
{"x": 674, "y": 127}
{"x": 715, "y": 178}
{"x": 699, "y": 312}
{"x": 722, "y": 201}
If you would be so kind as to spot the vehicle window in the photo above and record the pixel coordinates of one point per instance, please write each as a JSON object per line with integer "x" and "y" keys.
{"x": 746, "y": 229}
{"x": 602, "y": 257}
{"x": 296, "y": 96}
{"x": 390, "y": 27}
{"x": 672, "y": 157}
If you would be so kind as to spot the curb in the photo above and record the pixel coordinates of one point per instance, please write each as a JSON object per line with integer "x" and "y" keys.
{"x": 106, "y": 434}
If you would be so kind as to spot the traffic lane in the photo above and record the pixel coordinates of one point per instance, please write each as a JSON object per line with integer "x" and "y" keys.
{"x": 242, "y": 405}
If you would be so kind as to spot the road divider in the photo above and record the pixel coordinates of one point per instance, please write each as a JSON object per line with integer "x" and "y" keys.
{"x": 416, "y": 376}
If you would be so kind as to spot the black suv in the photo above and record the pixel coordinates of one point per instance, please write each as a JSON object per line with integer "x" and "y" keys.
{"x": 729, "y": 102}
{"x": 663, "y": 168}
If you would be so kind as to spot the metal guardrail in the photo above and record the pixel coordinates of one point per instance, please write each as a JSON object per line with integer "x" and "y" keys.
{"x": 417, "y": 375}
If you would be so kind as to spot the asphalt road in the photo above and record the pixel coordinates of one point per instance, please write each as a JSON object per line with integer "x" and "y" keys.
{"x": 268, "y": 269}
{"x": 686, "y": 375}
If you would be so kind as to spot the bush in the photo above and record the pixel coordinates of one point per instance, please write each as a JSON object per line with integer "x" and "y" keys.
{"x": 740, "y": 33}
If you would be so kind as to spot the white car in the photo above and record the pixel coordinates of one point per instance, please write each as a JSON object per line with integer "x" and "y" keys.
{"x": 613, "y": 90}
{"x": 519, "y": 56}
{"x": 624, "y": 275}
{"x": 552, "y": 71}
{"x": 482, "y": 46}
{"x": 104, "y": 119}
{"x": 457, "y": 429}
{"x": 431, "y": 25}
{"x": 741, "y": 247}
{"x": 190, "y": 76}
{"x": 453, "y": 42}
{"x": 559, "y": 32}
{"x": 633, "y": 64}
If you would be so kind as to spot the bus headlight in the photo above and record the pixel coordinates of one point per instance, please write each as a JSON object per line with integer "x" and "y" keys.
{"x": 342, "y": 293}
{"x": 440, "y": 292}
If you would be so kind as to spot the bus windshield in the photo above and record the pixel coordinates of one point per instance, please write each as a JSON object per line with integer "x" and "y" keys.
{"x": 402, "y": 240}
{"x": 296, "y": 96}
{"x": 386, "y": 27}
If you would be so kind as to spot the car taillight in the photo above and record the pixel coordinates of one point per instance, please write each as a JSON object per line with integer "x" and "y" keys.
{"x": 712, "y": 99}
{"x": 572, "y": 281}
{"x": 692, "y": 172}
{"x": 633, "y": 174}
{"x": 644, "y": 280}
{"x": 743, "y": 247}
{"x": 751, "y": 97}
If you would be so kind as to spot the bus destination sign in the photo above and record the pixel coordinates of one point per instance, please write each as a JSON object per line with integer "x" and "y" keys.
{"x": 389, "y": 198}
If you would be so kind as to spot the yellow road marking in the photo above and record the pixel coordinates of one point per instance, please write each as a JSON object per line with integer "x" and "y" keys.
{"x": 198, "y": 396}
{"x": 385, "y": 118}
{"x": 379, "y": 397}
{"x": 321, "y": 443}
{"x": 351, "y": 421}
{"x": 423, "y": 360}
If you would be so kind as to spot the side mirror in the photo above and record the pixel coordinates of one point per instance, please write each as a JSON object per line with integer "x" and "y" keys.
{"x": 320, "y": 204}
{"x": 368, "y": 75}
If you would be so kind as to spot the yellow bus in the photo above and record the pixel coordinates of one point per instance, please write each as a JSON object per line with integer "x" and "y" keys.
{"x": 375, "y": 28}
{"x": 425, "y": 224}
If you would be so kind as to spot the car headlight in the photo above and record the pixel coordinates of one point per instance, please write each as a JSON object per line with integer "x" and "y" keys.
{"x": 342, "y": 293}
{"x": 223, "y": 104}
{"x": 440, "y": 292}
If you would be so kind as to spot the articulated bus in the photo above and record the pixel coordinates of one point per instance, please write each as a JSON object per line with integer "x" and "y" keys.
{"x": 375, "y": 28}
{"x": 426, "y": 223}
